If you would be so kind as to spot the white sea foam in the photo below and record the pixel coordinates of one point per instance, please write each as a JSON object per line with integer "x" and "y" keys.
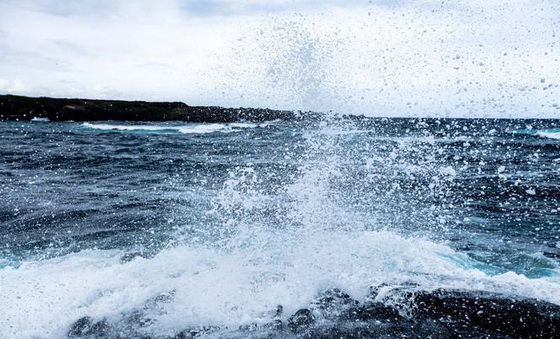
{"x": 185, "y": 129}
{"x": 544, "y": 133}
{"x": 550, "y": 135}
{"x": 36, "y": 119}
{"x": 210, "y": 286}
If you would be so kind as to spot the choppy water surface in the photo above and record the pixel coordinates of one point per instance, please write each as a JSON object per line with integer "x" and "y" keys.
{"x": 214, "y": 226}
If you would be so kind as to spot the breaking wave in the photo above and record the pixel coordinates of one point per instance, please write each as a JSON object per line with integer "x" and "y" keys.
{"x": 185, "y": 129}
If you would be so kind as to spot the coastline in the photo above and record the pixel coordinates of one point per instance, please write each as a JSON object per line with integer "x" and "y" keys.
{"x": 23, "y": 108}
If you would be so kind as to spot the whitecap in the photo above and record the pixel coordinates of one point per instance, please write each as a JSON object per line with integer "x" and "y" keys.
{"x": 550, "y": 135}
{"x": 184, "y": 129}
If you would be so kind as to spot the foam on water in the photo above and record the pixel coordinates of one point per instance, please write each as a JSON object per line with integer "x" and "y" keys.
{"x": 36, "y": 119}
{"x": 212, "y": 286}
{"x": 543, "y": 133}
{"x": 185, "y": 129}
{"x": 551, "y": 135}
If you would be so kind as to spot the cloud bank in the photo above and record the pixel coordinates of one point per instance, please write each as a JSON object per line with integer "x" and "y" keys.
{"x": 379, "y": 58}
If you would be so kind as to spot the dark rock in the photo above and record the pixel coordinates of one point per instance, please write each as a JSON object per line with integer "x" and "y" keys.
{"x": 509, "y": 315}
{"x": 404, "y": 311}
{"x": 333, "y": 297}
{"x": 81, "y": 327}
{"x": 301, "y": 320}
{"x": 26, "y": 108}
{"x": 100, "y": 329}
{"x": 185, "y": 334}
{"x": 405, "y": 329}
{"x": 477, "y": 311}
{"x": 279, "y": 311}
{"x": 192, "y": 333}
{"x": 552, "y": 255}
{"x": 372, "y": 311}
{"x": 334, "y": 303}
{"x": 86, "y": 327}
{"x": 138, "y": 319}
{"x": 133, "y": 255}
{"x": 277, "y": 322}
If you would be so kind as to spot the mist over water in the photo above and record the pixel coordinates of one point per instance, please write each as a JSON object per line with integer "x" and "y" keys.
{"x": 413, "y": 58}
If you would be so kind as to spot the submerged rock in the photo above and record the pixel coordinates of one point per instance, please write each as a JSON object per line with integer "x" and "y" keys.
{"x": 133, "y": 255}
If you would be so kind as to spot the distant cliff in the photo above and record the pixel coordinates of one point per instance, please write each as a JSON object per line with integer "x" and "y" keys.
{"x": 22, "y": 108}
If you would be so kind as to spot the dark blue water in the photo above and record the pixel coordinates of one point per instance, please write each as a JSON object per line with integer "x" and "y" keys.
{"x": 228, "y": 221}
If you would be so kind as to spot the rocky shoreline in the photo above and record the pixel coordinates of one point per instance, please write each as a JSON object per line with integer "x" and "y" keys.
{"x": 388, "y": 312}
{"x": 21, "y": 108}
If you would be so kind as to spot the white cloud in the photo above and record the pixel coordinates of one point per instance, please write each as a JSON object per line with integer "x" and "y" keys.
{"x": 14, "y": 86}
{"x": 475, "y": 58}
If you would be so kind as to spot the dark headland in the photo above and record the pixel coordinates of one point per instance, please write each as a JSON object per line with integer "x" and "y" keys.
{"x": 24, "y": 108}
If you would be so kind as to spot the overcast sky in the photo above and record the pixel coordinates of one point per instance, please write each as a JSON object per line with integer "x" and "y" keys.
{"x": 489, "y": 58}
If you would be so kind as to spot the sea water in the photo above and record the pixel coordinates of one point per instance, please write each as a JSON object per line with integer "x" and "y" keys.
{"x": 215, "y": 225}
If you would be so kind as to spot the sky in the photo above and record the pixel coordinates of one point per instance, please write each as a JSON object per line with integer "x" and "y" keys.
{"x": 476, "y": 58}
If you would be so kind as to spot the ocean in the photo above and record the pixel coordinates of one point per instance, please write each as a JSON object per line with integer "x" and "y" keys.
{"x": 277, "y": 229}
